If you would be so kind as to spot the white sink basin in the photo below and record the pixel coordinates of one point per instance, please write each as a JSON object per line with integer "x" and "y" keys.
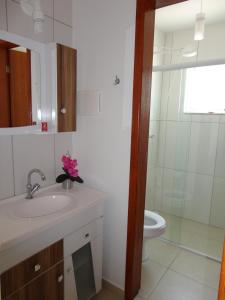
{"x": 42, "y": 206}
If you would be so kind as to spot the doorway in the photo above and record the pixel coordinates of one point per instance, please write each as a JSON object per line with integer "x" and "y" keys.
{"x": 139, "y": 156}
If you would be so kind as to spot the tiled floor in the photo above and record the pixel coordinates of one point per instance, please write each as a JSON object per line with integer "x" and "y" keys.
{"x": 175, "y": 274}
{"x": 106, "y": 294}
{"x": 200, "y": 237}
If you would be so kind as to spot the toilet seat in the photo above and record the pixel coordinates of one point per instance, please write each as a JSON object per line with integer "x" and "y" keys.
{"x": 154, "y": 225}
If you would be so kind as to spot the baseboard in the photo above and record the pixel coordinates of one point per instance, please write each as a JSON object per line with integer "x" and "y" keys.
{"x": 111, "y": 287}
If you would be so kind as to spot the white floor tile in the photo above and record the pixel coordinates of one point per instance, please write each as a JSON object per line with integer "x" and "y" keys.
{"x": 174, "y": 286}
{"x": 152, "y": 272}
{"x": 194, "y": 235}
{"x": 162, "y": 252}
{"x": 138, "y": 298}
{"x": 198, "y": 268}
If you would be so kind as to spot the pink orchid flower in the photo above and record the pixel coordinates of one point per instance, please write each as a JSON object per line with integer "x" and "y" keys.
{"x": 69, "y": 165}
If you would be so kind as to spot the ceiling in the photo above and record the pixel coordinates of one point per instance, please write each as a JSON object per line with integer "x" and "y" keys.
{"x": 182, "y": 16}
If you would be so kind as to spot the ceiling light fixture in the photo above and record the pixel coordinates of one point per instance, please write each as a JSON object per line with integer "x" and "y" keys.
{"x": 200, "y": 25}
{"x": 33, "y": 8}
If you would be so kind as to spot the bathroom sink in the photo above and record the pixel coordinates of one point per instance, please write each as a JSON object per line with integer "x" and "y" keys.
{"x": 42, "y": 206}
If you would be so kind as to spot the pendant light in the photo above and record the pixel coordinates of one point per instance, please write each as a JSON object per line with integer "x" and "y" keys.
{"x": 33, "y": 8}
{"x": 200, "y": 25}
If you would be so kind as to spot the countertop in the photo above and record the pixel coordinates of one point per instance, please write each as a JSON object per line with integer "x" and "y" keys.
{"x": 15, "y": 230}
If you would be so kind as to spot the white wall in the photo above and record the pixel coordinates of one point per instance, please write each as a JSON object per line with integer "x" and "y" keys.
{"x": 104, "y": 37}
{"x": 21, "y": 153}
{"x": 188, "y": 171}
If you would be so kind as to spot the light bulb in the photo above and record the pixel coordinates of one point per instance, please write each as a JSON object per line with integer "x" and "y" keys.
{"x": 200, "y": 27}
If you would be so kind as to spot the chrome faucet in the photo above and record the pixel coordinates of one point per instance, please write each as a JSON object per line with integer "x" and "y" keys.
{"x": 31, "y": 189}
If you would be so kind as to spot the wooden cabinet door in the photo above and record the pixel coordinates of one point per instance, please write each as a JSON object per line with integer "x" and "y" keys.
{"x": 4, "y": 90}
{"x": 66, "y": 88}
{"x": 49, "y": 286}
{"x": 221, "y": 295}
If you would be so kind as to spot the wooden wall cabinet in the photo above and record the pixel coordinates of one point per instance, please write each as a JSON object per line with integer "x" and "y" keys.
{"x": 40, "y": 277}
{"x": 66, "y": 88}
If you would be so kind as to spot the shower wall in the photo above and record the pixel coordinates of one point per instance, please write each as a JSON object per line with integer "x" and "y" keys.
{"x": 186, "y": 165}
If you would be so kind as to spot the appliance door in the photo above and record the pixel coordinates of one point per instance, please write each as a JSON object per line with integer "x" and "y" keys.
{"x": 83, "y": 271}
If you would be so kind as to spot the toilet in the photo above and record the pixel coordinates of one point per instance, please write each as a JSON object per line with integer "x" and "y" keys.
{"x": 154, "y": 226}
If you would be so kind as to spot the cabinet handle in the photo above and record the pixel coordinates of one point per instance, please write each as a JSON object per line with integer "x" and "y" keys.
{"x": 60, "y": 278}
{"x": 37, "y": 268}
{"x": 63, "y": 110}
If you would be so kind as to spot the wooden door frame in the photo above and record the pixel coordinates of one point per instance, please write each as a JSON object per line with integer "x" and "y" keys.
{"x": 221, "y": 295}
{"x": 144, "y": 40}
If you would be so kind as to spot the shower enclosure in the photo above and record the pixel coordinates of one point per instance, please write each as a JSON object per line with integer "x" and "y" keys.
{"x": 186, "y": 162}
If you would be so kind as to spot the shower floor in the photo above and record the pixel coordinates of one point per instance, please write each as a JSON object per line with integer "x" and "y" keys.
{"x": 200, "y": 238}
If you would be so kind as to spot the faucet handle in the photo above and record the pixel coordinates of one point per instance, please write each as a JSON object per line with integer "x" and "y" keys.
{"x": 35, "y": 188}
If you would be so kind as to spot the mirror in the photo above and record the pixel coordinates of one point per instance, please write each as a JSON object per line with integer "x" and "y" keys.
{"x": 20, "y": 90}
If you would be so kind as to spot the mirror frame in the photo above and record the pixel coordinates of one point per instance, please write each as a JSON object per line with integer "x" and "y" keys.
{"x": 46, "y": 105}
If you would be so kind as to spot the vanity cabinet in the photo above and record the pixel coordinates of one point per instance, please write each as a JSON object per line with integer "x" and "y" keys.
{"x": 48, "y": 286}
{"x": 39, "y": 277}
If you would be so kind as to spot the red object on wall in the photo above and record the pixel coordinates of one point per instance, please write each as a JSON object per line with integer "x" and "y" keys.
{"x": 44, "y": 126}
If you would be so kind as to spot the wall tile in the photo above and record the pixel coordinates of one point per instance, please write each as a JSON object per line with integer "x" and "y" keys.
{"x": 62, "y": 34}
{"x": 209, "y": 47}
{"x": 153, "y": 143}
{"x": 164, "y": 95}
{"x": 161, "y": 144}
{"x": 203, "y": 148}
{"x": 218, "y": 203}
{"x": 154, "y": 189}
{"x": 220, "y": 157}
{"x": 205, "y": 118}
{"x": 63, "y": 11}
{"x": 3, "y": 21}
{"x": 6, "y": 167}
{"x": 175, "y": 110}
{"x": 63, "y": 144}
{"x": 174, "y": 188}
{"x": 20, "y": 23}
{"x": 47, "y": 6}
{"x": 156, "y": 95}
{"x": 159, "y": 42}
{"x": 177, "y": 145}
{"x": 198, "y": 197}
{"x": 33, "y": 151}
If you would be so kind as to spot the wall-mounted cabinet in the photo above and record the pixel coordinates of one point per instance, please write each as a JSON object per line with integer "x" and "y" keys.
{"x": 62, "y": 82}
{"x": 38, "y": 85}
{"x": 66, "y": 88}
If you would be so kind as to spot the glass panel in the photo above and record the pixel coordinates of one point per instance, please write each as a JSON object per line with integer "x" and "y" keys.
{"x": 186, "y": 176}
{"x": 84, "y": 273}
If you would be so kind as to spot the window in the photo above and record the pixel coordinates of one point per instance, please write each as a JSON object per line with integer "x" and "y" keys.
{"x": 204, "y": 90}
